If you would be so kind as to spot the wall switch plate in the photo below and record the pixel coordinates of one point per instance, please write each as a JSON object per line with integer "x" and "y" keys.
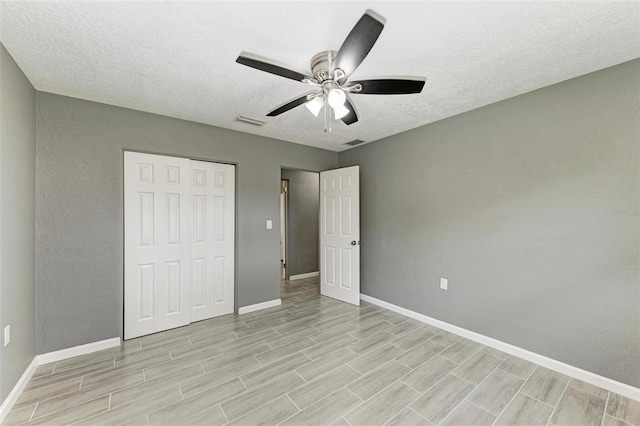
{"x": 7, "y": 335}
{"x": 269, "y": 224}
{"x": 444, "y": 283}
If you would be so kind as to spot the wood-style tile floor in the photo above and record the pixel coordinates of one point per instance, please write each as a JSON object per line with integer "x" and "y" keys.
{"x": 312, "y": 361}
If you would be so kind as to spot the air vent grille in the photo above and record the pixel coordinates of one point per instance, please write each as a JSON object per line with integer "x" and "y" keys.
{"x": 249, "y": 120}
{"x": 354, "y": 143}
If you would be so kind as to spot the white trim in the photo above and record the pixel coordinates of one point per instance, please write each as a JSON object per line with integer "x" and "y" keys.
{"x": 11, "y": 399}
{"x": 303, "y": 276}
{"x": 78, "y": 350}
{"x": 38, "y": 360}
{"x": 259, "y": 306}
{"x": 569, "y": 370}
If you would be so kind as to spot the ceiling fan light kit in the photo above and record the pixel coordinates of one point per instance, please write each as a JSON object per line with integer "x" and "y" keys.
{"x": 330, "y": 72}
{"x": 340, "y": 111}
{"x": 315, "y": 105}
{"x": 336, "y": 98}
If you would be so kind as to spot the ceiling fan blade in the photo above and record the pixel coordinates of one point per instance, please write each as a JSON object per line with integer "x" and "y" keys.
{"x": 289, "y": 105}
{"x": 389, "y": 86}
{"x": 359, "y": 42}
{"x": 352, "y": 117}
{"x": 272, "y": 68}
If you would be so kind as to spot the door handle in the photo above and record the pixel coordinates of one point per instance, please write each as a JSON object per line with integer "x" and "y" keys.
{"x": 355, "y": 243}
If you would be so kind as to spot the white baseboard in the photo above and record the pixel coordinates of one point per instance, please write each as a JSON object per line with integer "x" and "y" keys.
{"x": 569, "y": 370}
{"x": 55, "y": 356}
{"x": 11, "y": 399}
{"x": 78, "y": 350}
{"x": 258, "y": 306}
{"x": 303, "y": 276}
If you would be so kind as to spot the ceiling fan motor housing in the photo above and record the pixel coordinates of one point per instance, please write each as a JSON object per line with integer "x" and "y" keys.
{"x": 321, "y": 65}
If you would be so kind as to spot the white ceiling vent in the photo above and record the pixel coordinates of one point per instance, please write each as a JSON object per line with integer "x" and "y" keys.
{"x": 249, "y": 120}
{"x": 354, "y": 143}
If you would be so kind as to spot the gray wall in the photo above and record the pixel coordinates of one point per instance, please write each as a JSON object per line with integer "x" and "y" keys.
{"x": 303, "y": 221}
{"x": 80, "y": 219}
{"x": 17, "y": 223}
{"x": 530, "y": 208}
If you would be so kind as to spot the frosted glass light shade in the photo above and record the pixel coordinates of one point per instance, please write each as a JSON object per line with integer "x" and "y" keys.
{"x": 336, "y": 98}
{"x": 315, "y": 105}
{"x": 340, "y": 111}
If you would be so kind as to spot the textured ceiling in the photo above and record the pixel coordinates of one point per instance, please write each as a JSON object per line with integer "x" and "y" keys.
{"x": 178, "y": 58}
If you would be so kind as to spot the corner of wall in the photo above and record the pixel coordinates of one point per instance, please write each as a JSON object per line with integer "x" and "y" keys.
{"x": 17, "y": 239}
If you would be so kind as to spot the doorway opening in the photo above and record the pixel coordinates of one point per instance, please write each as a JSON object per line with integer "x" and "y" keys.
{"x": 283, "y": 228}
{"x": 299, "y": 232}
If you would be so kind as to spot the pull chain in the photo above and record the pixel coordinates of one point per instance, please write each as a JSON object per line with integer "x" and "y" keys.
{"x": 328, "y": 119}
{"x": 327, "y": 109}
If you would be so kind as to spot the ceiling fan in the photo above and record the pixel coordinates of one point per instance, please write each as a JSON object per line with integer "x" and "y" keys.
{"x": 330, "y": 73}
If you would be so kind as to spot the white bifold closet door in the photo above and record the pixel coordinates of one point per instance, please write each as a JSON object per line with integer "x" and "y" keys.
{"x": 212, "y": 254}
{"x": 178, "y": 242}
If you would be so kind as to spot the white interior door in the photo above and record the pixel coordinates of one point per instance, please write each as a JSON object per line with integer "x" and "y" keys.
{"x": 212, "y": 270}
{"x": 157, "y": 243}
{"x": 340, "y": 234}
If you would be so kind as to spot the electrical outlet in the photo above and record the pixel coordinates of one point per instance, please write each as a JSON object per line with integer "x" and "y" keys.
{"x": 7, "y": 335}
{"x": 269, "y": 224}
{"x": 444, "y": 283}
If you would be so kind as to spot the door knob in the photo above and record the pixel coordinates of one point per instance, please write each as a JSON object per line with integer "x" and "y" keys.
{"x": 353, "y": 243}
